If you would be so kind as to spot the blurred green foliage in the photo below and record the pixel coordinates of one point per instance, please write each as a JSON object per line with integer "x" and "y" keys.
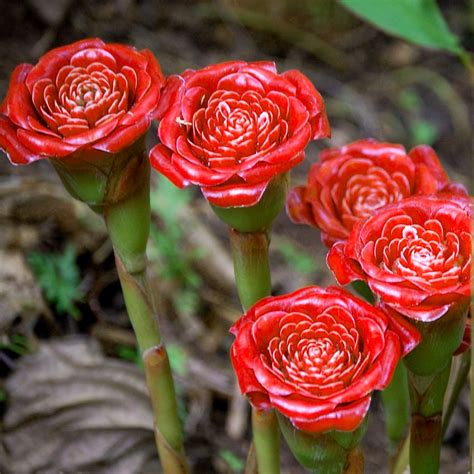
{"x": 234, "y": 462}
{"x": 58, "y": 276}
{"x": 421, "y": 129}
{"x": 174, "y": 262}
{"x": 297, "y": 258}
{"x": 15, "y": 343}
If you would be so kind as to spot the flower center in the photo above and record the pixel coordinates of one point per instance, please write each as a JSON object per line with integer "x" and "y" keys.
{"x": 420, "y": 252}
{"x": 321, "y": 355}
{"x": 85, "y": 94}
{"x": 365, "y": 192}
{"x": 231, "y": 127}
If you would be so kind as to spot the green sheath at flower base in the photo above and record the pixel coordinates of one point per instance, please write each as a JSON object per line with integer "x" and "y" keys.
{"x": 259, "y": 217}
{"x": 440, "y": 339}
{"x": 332, "y": 452}
{"x": 396, "y": 397}
{"x": 429, "y": 366}
{"x": 396, "y": 405}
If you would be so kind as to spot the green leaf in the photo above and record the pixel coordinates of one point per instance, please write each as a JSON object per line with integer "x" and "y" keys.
{"x": 418, "y": 21}
{"x": 59, "y": 278}
{"x": 234, "y": 462}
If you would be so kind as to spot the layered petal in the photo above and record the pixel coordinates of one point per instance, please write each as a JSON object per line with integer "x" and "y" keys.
{"x": 84, "y": 96}
{"x": 316, "y": 355}
{"x": 354, "y": 181}
{"x": 232, "y": 127}
{"x": 415, "y": 255}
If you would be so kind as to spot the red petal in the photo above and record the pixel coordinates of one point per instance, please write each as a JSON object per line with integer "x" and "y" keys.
{"x": 342, "y": 418}
{"x": 431, "y": 175}
{"x": 209, "y": 76}
{"x": 313, "y": 101}
{"x": 123, "y": 136}
{"x": 297, "y": 208}
{"x": 343, "y": 268}
{"x": 50, "y": 63}
{"x": 127, "y": 56}
{"x": 161, "y": 160}
{"x": 88, "y": 56}
{"x": 169, "y": 95}
{"x": 235, "y": 195}
{"x": 17, "y": 104}
{"x": 15, "y": 151}
{"x": 407, "y": 334}
{"x": 45, "y": 145}
{"x": 240, "y": 82}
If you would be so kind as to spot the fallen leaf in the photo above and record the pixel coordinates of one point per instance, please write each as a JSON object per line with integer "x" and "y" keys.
{"x": 72, "y": 409}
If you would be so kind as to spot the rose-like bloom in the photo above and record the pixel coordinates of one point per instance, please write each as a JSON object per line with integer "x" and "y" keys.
{"x": 316, "y": 355}
{"x": 416, "y": 255}
{"x": 85, "y": 95}
{"x": 236, "y": 125}
{"x": 353, "y": 181}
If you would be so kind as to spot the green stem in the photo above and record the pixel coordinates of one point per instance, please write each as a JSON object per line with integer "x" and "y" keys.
{"x": 128, "y": 225}
{"x": 253, "y": 280}
{"x": 251, "y": 265}
{"x": 461, "y": 365}
{"x": 396, "y": 402}
{"x": 427, "y": 396}
{"x": 396, "y": 397}
{"x": 266, "y": 438}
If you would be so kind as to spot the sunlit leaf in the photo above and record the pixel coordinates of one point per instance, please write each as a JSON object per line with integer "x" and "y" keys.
{"x": 418, "y": 21}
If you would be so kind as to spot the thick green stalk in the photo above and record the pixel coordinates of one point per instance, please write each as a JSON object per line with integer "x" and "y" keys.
{"x": 251, "y": 265}
{"x": 266, "y": 438}
{"x": 128, "y": 224}
{"x": 459, "y": 373}
{"x": 396, "y": 397}
{"x": 427, "y": 397}
{"x": 253, "y": 280}
{"x": 396, "y": 404}
{"x": 429, "y": 366}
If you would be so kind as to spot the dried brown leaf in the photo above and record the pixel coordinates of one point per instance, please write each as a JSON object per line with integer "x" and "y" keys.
{"x": 72, "y": 409}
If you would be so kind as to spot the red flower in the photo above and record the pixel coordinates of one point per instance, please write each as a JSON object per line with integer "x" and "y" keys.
{"x": 416, "y": 255}
{"x": 85, "y": 95}
{"x": 351, "y": 182}
{"x": 316, "y": 355}
{"x": 236, "y": 125}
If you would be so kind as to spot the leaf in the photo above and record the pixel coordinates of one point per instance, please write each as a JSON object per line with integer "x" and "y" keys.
{"x": 73, "y": 410}
{"x": 234, "y": 462}
{"x": 59, "y": 277}
{"x": 418, "y": 21}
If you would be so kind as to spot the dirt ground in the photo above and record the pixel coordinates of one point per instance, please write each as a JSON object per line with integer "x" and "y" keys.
{"x": 72, "y": 396}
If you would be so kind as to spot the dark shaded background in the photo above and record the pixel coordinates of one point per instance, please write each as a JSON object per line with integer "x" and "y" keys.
{"x": 67, "y": 406}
